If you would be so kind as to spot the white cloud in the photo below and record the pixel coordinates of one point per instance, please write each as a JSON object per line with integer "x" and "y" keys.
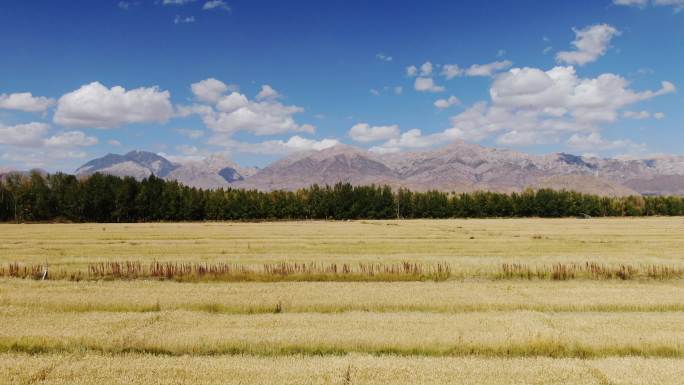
{"x": 211, "y": 90}
{"x": 450, "y": 71}
{"x": 126, "y": 5}
{"x": 183, "y": 19}
{"x": 638, "y": 3}
{"x": 364, "y": 133}
{"x": 426, "y": 69}
{"x": 232, "y": 102}
{"x": 114, "y": 143}
{"x": 192, "y": 134}
{"x": 423, "y": 84}
{"x": 374, "y": 92}
{"x": 398, "y": 90}
{"x": 30, "y": 140}
{"x": 500, "y": 53}
{"x": 228, "y": 114}
{"x": 638, "y": 115}
{"x": 411, "y": 139}
{"x": 381, "y": 56}
{"x": 411, "y": 71}
{"x": 25, "y": 101}
{"x": 273, "y": 147}
{"x": 560, "y": 91}
{"x": 594, "y": 141}
{"x": 446, "y": 103}
{"x": 488, "y": 69}
{"x": 70, "y": 139}
{"x": 259, "y": 118}
{"x": 267, "y": 93}
{"x": 177, "y": 2}
{"x": 642, "y": 115}
{"x": 96, "y": 106}
{"x": 678, "y": 5}
{"x": 531, "y": 106}
{"x": 215, "y": 4}
{"x": 590, "y": 43}
{"x": 30, "y": 134}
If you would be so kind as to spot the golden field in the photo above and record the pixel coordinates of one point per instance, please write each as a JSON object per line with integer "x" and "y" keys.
{"x": 468, "y": 329}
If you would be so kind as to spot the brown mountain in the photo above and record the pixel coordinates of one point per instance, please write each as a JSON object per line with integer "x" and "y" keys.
{"x": 458, "y": 167}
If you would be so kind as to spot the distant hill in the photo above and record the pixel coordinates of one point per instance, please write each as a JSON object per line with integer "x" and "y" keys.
{"x": 459, "y": 167}
{"x": 213, "y": 172}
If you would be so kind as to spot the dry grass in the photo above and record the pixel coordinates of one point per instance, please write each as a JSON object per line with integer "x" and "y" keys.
{"x": 609, "y": 241}
{"x": 492, "y": 334}
{"x": 135, "y": 369}
{"x": 340, "y": 272}
{"x": 339, "y": 297}
{"x": 528, "y": 301}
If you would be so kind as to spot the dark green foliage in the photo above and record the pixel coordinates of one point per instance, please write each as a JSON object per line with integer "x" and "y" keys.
{"x": 104, "y": 198}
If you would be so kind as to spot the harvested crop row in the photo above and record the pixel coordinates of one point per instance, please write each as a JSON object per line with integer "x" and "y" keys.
{"x": 336, "y": 297}
{"x": 516, "y": 334}
{"x": 136, "y": 369}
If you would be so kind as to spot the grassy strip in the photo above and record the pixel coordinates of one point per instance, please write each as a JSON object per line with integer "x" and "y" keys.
{"x": 536, "y": 348}
{"x": 339, "y": 272}
{"x": 276, "y": 308}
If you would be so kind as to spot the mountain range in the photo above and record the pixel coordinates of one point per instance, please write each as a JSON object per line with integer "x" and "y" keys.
{"x": 459, "y": 167}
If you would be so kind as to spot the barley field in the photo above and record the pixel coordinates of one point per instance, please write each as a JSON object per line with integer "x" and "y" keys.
{"x": 510, "y": 301}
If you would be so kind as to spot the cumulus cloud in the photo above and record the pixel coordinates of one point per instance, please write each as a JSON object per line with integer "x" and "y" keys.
{"x": 259, "y": 118}
{"x": 411, "y": 71}
{"x": 423, "y": 84}
{"x": 215, "y": 4}
{"x": 30, "y": 134}
{"x": 590, "y": 43}
{"x": 488, "y": 69}
{"x": 426, "y": 69}
{"x": 96, "y": 106}
{"x": 33, "y": 137}
{"x": 364, "y": 132}
{"x": 411, "y": 139}
{"x": 235, "y": 112}
{"x": 25, "y": 101}
{"x": 272, "y": 147}
{"x": 70, "y": 139}
{"x": 560, "y": 91}
{"x": 211, "y": 90}
{"x": 532, "y": 106}
{"x": 594, "y": 141}
{"x": 267, "y": 93}
{"x": 446, "y": 103}
{"x": 450, "y": 71}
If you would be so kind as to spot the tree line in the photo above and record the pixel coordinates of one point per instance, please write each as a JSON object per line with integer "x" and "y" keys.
{"x": 106, "y": 198}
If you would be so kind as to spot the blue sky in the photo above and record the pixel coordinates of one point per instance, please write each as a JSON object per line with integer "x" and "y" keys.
{"x": 254, "y": 80}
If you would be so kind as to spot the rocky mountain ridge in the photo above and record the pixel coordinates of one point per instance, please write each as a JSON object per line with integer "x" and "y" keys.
{"x": 458, "y": 167}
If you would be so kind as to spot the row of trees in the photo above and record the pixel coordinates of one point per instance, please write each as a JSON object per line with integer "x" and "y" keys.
{"x": 105, "y": 198}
